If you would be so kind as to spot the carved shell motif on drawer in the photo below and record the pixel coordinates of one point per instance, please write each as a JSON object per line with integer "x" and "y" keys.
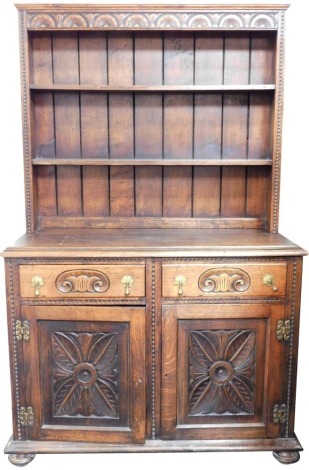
{"x": 82, "y": 280}
{"x": 224, "y": 280}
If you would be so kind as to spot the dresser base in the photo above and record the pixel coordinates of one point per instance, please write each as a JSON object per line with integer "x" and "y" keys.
{"x": 281, "y": 447}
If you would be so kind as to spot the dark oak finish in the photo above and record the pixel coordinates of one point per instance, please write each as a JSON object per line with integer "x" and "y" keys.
{"x": 152, "y": 305}
{"x": 223, "y": 352}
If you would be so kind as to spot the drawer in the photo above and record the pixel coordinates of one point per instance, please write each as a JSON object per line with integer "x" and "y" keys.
{"x": 82, "y": 280}
{"x": 200, "y": 280}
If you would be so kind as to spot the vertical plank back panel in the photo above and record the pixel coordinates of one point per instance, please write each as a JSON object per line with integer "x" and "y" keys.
{"x": 178, "y": 124}
{"x": 262, "y": 64}
{"x": 94, "y": 122}
{"x": 120, "y": 72}
{"x": 209, "y": 49}
{"x": 209, "y": 58}
{"x": 148, "y": 62}
{"x": 148, "y": 191}
{"x": 233, "y": 189}
{"x": 208, "y": 126}
{"x": 148, "y": 58}
{"x": 120, "y": 58}
{"x": 258, "y": 180}
{"x": 94, "y": 142}
{"x": 148, "y": 107}
{"x": 40, "y": 62}
{"x": 121, "y": 122}
{"x": 65, "y": 58}
{"x": 178, "y": 58}
{"x": 177, "y": 192}
{"x": 259, "y": 131}
{"x": 236, "y": 58}
{"x": 122, "y": 191}
{"x": 175, "y": 125}
{"x": 206, "y": 191}
{"x": 67, "y": 123}
{"x": 43, "y": 121}
{"x": 93, "y": 58}
{"x": 235, "y": 123}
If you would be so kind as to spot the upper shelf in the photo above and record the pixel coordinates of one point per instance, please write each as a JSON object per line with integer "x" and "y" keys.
{"x": 162, "y": 162}
{"x": 152, "y": 88}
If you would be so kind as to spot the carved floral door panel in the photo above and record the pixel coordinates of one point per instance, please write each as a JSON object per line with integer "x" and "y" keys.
{"x": 87, "y": 379}
{"x": 221, "y": 366}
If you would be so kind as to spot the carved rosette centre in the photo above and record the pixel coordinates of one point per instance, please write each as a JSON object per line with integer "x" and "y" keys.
{"x": 221, "y": 372}
{"x": 85, "y": 374}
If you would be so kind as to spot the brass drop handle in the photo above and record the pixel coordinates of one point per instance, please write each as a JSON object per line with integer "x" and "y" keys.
{"x": 127, "y": 282}
{"x": 37, "y": 282}
{"x": 180, "y": 281}
{"x": 269, "y": 281}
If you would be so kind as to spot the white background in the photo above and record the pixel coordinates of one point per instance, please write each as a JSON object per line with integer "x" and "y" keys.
{"x": 293, "y": 224}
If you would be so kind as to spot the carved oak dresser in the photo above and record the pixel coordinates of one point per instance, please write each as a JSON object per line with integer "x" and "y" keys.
{"x": 152, "y": 304}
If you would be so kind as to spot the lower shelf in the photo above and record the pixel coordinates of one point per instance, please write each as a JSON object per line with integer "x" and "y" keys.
{"x": 45, "y": 447}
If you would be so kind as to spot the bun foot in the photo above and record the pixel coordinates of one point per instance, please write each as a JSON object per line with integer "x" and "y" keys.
{"x": 21, "y": 459}
{"x": 287, "y": 457}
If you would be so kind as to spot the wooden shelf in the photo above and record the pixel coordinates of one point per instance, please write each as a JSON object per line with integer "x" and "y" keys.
{"x": 158, "y": 162}
{"x": 154, "y": 88}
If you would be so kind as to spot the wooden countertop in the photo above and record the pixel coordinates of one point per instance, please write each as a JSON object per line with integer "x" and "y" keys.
{"x": 152, "y": 243}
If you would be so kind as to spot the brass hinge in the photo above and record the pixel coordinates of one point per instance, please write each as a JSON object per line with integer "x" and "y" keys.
{"x": 283, "y": 330}
{"x": 26, "y": 416}
{"x": 279, "y": 414}
{"x": 22, "y": 330}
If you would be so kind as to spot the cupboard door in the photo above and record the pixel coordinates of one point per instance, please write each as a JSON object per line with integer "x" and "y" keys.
{"x": 221, "y": 371}
{"x": 85, "y": 373}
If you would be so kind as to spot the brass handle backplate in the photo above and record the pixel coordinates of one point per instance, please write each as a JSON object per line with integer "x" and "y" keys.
{"x": 180, "y": 281}
{"x": 269, "y": 281}
{"x": 37, "y": 282}
{"x": 127, "y": 282}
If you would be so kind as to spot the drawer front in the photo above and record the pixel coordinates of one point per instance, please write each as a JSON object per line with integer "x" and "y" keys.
{"x": 200, "y": 280}
{"x": 82, "y": 280}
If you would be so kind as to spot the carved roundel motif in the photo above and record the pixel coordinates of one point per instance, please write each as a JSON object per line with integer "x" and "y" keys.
{"x": 224, "y": 280}
{"x": 74, "y": 21}
{"x": 261, "y": 21}
{"x": 221, "y": 372}
{"x": 42, "y": 21}
{"x": 199, "y": 21}
{"x": 105, "y": 21}
{"x": 85, "y": 374}
{"x": 231, "y": 21}
{"x": 136, "y": 21}
{"x": 170, "y": 21}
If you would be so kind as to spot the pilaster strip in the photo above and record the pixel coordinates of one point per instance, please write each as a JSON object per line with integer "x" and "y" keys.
{"x": 288, "y": 399}
{"x": 22, "y": 37}
{"x": 153, "y": 350}
{"x": 279, "y": 123}
{"x": 15, "y": 361}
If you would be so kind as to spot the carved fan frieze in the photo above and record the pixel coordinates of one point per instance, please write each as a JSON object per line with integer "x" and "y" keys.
{"x": 221, "y": 372}
{"x": 85, "y": 374}
{"x": 224, "y": 280}
{"x": 152, "y": 19}
{"x": 82, "y": 281}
